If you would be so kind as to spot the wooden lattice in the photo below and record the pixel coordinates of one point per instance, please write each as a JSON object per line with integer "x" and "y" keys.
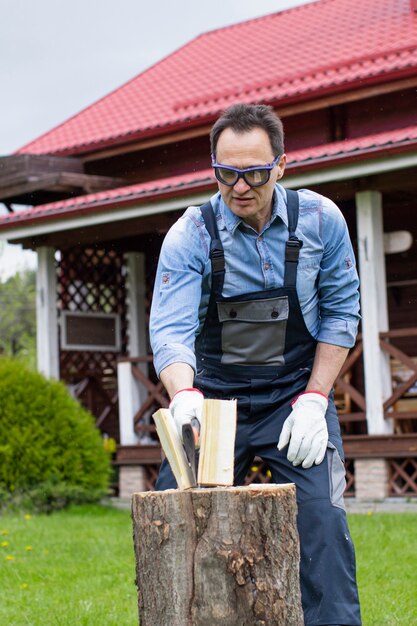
{"x": 403, "y": 477}
{"x": 401, "y": 406}
{"x": 150, "y": 475}
{"x": 258, "y": 473}
{"x": 157, "y": 396}
{"x": 349, "y": 392}
{"x": 93, "y": 280}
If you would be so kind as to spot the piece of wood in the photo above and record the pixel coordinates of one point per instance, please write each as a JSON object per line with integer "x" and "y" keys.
{"x": 222, "y": 556}
{"x": 173, "y": 448}
{"x": 217, "y": 446}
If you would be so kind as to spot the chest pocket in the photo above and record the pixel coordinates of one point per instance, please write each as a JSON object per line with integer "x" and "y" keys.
{"x": 253, "y": 331}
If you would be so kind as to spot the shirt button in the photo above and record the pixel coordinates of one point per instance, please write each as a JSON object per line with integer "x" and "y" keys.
{"x": 259, "y": 238}
{"x": 274, "y": 315}
{"x": 266, "y": 266}
{"x": 232, "y": 313}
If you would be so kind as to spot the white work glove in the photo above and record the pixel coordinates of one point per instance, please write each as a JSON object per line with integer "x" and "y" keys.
{"x": 306, "y": 430}
{"x": 185, "y": 406}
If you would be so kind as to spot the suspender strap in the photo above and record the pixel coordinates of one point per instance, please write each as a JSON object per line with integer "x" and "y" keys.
{"x": 216, "y": 249}
{"x": 293, "y": 245}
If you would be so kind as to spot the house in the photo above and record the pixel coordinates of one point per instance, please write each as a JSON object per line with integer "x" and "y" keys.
{"x": 105, "y": 186}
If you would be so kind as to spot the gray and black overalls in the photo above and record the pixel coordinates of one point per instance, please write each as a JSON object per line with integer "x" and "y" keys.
{"x": 257, "y": 349}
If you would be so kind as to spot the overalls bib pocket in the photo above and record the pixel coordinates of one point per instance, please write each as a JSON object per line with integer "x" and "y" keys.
{"x": 253, "y": 331}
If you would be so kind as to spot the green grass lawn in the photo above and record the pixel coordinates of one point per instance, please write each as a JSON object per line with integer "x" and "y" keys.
{"x": 386, "y": 555}
{"x": 76, "y": 568}
{"x": 71, "y": 568}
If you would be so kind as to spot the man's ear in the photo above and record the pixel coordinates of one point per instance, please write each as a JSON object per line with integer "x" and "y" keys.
{"x": 281, "y": 166}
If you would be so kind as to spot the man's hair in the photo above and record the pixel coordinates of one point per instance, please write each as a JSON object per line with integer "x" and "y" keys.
{"x": 242, "y": 118}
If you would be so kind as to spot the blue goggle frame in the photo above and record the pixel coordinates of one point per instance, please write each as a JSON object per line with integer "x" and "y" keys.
{"x": 253, "y": 176}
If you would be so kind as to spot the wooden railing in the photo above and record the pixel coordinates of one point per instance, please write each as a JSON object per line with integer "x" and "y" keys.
{"x": 400, "y": 448}
{"x": 151, "y": 393}
{"x": 400, "y": 387}
{"x": 346, "y": 393}
{"x": 395, "y": 406}
{"x": 101, "y": 402}
{"x": 350, "y": 396}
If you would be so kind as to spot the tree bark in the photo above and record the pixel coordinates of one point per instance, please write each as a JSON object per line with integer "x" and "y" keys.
{"x": 222, "y": 556}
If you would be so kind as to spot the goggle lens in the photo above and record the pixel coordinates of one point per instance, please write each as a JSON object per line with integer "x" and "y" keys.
{"x": 257, "y": 177}
{"x": 225, "y": 176}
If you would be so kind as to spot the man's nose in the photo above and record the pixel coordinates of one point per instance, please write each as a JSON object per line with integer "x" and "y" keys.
{"x": 241, "y": 186}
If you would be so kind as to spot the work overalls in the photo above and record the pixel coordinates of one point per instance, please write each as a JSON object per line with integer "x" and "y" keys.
{"x": 256, "y": 349}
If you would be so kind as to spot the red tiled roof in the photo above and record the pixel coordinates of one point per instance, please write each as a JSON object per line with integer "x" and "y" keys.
{"x": 334, "y": 153}
{"x": 320, "y": 47}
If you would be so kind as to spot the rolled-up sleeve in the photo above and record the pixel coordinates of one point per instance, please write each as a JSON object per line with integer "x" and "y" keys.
{"x": 338, "y": 286}
{"x": 177, "y": 292}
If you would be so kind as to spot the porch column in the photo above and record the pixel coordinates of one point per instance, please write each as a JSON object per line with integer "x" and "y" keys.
{"x": 131, "y": 393}
{"x": 46, "y": 314}
{"x": 374, "y": 308}
{"x": 371, "y": 475}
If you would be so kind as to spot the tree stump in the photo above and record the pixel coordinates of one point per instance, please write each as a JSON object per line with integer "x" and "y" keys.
{"x": 226, "y": 556}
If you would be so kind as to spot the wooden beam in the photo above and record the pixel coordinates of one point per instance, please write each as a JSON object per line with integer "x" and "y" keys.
{"x": 380, "y": 446}
{"x": 139, "y": 454}
{"x": 125, "y": 235}
{"x": 64, "y": 182}
{"x": 355, "y": 446}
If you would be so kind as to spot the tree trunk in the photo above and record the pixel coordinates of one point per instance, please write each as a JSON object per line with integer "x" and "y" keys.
{"x": 222, "y": 556}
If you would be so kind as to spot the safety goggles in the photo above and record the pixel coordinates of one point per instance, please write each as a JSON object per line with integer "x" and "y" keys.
{"x": 253, "y": 176}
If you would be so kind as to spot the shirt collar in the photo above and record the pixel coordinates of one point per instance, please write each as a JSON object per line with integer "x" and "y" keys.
{"x": 230, "y": 221}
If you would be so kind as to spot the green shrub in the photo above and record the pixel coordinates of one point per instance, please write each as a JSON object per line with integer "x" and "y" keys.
{"x": 51, "y": 453}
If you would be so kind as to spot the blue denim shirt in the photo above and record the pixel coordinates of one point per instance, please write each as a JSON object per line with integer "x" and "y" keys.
{"x": 327, "y": 280}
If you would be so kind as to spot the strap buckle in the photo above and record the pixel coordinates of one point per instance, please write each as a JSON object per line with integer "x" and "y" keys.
{"x": 292, "y": 249}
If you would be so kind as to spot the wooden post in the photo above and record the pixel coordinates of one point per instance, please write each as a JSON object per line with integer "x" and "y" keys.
{"x": 374, "y": 308}
{"x": 226, "y": 556}
{"x": 46, "y": 313}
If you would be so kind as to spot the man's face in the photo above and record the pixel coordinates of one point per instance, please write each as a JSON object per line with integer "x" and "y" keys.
{"x": 242, "y": 150}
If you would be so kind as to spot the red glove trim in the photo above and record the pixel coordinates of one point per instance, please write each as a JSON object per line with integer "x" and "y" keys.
{"x": 305, "y": 392}
{"x": 188, "y": 389}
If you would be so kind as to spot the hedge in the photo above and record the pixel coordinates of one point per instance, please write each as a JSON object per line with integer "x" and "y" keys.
{"x": 51, "y": 453}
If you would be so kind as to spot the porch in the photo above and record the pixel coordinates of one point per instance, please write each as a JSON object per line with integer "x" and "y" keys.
{"x": 376, "y": 392}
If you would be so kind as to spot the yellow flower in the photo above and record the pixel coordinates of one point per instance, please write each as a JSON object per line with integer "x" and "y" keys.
{"x": 28, "y": 547}
{"x": 4, "y": 544}
{"x": 9, "y": 557}
{"x": 27, "y": 516}
{"x": 109, "y": 444}
{"x": 24, "y": 586}
{"x": 4, "y": 532}
{"x": 370, "y": 513}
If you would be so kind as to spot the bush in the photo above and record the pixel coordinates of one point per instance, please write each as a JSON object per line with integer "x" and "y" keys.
{"x": 51, "y": 453}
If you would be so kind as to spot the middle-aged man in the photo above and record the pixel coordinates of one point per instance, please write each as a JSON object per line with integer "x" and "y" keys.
{"x": 256, "y": 298}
